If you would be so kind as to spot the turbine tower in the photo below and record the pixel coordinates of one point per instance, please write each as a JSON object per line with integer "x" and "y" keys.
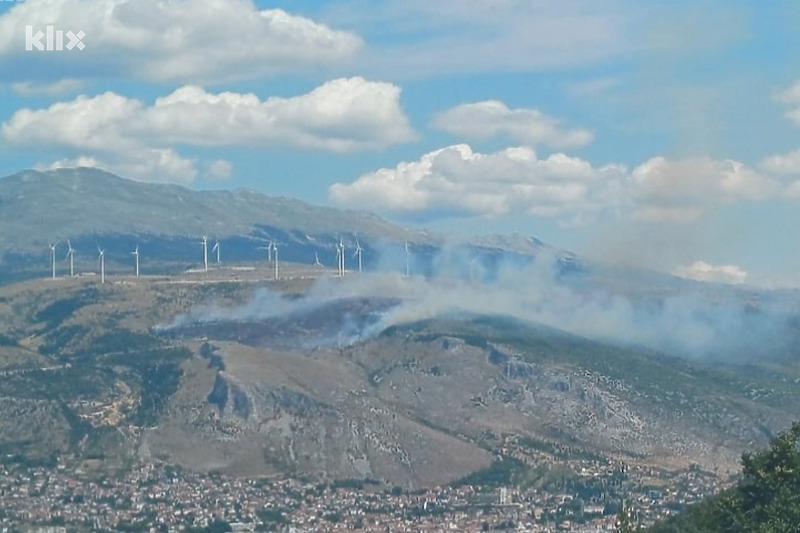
{"x": 359, "y": 249}
{"x": 341, "y": 258}
{"x": 408, "y": 266}
{"x": 102, "y": 260}
{"x": 53, "y": 258}
{"x": 216, "y": 249}
{"x": 135, "y": 254}
{"x": 205, "y": 253}
{"x": 71, "y": 256}
{"x": 275, "y": 249}
{"x": 338, "y": 260}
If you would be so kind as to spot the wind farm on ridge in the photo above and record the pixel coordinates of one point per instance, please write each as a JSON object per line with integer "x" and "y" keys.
{"x": 270, "y": 268}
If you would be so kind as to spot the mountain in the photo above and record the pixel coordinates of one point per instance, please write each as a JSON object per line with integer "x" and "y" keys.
{"x": 413, "y": 380}
{"x": 66, "y": 203}
{"x": 92, "y": 208}
{"x": 217, "y": 375}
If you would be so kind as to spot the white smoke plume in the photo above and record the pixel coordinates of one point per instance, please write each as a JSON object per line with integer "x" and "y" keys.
{"x": 676, "y": 317}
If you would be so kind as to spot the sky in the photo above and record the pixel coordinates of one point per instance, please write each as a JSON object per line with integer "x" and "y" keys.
{"x": 661, "y": 134}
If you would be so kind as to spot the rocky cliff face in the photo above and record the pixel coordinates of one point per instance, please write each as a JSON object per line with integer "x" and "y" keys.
{"x": 433, "y": 402}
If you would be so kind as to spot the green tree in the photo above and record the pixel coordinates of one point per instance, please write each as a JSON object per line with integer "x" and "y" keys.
{"x": 766, "y": 499}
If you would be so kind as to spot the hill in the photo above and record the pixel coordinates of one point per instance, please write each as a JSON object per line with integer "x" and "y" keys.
{"x": 91, "y": 208}
{"x": 219, "y": 375}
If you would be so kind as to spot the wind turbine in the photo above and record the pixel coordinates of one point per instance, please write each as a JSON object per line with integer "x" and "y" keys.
{"x": 70, "y": 255}
{"x": 275, "y": 249}
{"x": 205, "y": 253}
{"x": 268, "y": 248}
{"x": 102, "y": 260}
{"x": 135, "y": 253}
{"x": 216, "y": 249}
{"x": 338, "y": 260}
{"x": 408, "y": 266}
{"x": 316, "y": 260}
{"x": 359, "y": 249}
{"x": 341, "y": 258}
{"x": 53, "y": 258}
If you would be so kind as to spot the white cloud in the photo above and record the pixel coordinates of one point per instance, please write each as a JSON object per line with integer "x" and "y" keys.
{"x": 138, "y": 140}
{"x": 679, "y": 190}
{"x": 84, "y": 123}
{"x": 791, "y": 97}
{"x": 483, "y": 120}
{"x": 159, "y": 165}
{"x": 200, "y": 41}
{"x": 783, "y": 163}
{"x": 341, "y": 115}
{"x": 219, "y": 170}
{"x": 787, "y": 164}
{"x": 591, "y": 87}
{"x": 702, "y": 271}
{"x": 457, "y": 181}
{"x": 57, "y": 88}
{"x": 420, "y": 37}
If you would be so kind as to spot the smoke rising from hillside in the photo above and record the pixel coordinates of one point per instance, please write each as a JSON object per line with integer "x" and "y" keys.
{"x": 685, "y": 319}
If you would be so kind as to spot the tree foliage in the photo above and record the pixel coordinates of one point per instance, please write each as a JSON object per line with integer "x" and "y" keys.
{"x": 766, "y": 499}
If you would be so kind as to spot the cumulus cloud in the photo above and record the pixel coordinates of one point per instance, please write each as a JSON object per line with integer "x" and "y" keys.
{"x": 458, "y": 181}
{"x": 702, "y": 271}
{"x": 679, "y": 190}
{"x": 197, "y": 41}
{"x": 160, "y": 165}
{"x": 482, "y": 120}
{"x": 341, "y": 115}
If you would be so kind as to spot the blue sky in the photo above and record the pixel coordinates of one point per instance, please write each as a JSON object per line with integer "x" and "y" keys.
{"x": 662, "y": 134}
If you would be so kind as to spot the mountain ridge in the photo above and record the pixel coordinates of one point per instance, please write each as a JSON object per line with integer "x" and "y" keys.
{"x": 17, "y": 191}
{"x": 95, "y": 209}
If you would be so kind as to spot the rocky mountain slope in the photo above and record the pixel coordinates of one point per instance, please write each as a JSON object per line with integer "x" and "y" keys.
{"x": 107, "y": 374}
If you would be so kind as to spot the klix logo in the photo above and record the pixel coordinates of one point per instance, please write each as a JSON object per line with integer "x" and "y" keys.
{"x": 53, "y": 39}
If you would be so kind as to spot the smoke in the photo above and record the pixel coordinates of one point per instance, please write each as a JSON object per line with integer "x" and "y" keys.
{"x": 622, "y": 307}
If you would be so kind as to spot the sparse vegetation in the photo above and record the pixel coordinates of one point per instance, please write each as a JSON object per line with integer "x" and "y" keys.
{"x": 506, "y": 471}
{"x": 55, "y": 313}
{"x": 159, "y": 383}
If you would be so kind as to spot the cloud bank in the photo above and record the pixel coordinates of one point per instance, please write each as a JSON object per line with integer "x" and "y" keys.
{"x": 459, "y": 181}
{"x": 343, "y": 115}
{"x": 195, "y": 41}
{"x": 483, "y": 120}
